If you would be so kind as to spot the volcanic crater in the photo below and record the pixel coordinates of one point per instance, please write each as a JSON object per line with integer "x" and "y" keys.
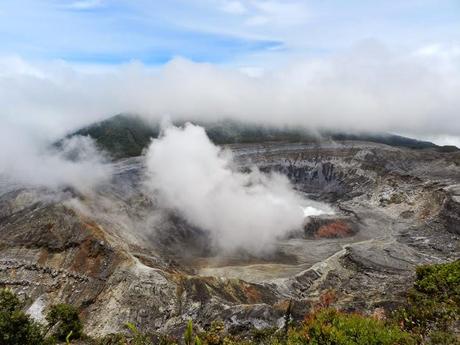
{"x": 119, "y": 256}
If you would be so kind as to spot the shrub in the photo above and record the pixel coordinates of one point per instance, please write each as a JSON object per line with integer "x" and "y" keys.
{"x": 64, "y": 319}
{"x": 443, "y": 338}
{"x": 440, "y": 281}
{"x": 9, "y": 302}
{"x": 329, "y": 326}
{"x": 433, "y": 304}
{"x": 215, "y": 335}
{"x": 16, "y": 327}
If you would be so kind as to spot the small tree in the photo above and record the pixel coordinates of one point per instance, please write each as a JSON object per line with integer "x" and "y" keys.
{"x": 9, "y": 302}
{"x": 65, "y": 320}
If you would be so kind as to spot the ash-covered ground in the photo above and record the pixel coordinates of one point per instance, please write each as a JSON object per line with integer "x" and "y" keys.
{"x": 119, "y": 256}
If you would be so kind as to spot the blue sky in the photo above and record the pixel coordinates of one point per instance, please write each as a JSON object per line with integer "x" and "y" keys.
{"x": 234, "y": 32}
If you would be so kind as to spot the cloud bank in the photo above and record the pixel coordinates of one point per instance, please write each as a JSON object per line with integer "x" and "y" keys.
{"x": 193, "y": 176}
{"x": 368, "y": 88}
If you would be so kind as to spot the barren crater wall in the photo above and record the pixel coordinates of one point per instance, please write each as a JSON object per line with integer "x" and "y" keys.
{"x": 119, "y": 257}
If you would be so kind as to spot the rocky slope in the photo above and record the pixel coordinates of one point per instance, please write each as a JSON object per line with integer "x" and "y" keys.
{"x": 118, "y": 256}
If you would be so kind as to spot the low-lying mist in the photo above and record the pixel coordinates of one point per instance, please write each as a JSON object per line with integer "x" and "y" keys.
{"x": 198, "y": 179}
{"x": 75, "y": 162}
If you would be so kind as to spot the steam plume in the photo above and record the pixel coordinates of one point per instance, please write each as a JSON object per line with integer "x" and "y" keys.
{"x": 196, "y": 178}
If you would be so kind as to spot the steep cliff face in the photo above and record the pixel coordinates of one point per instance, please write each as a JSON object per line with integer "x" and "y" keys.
{"x": 450, "y": 215}
{"x": 119, "y": 256}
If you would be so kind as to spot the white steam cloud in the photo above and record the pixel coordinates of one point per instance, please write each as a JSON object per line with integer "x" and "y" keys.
{"x": 75, "y": 162}
{"x": 197, "y": 178}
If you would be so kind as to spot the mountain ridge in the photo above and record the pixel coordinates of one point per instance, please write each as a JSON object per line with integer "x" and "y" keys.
{"x": 126, "y": 135}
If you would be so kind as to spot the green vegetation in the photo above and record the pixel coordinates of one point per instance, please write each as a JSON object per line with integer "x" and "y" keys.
{"x": 122, "y": 135}
{"x": 188, "y": 334}
{"x": 17, "y": 328}
{"x": 433, "y": 304}
{"x": 329, "y": 326}
{"x": 65, "y": 322}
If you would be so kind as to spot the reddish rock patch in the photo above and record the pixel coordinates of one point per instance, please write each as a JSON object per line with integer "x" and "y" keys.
{"x": 336, "y": 229}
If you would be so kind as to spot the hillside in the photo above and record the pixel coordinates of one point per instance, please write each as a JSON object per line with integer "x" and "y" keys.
{"x": 127, "y": 135}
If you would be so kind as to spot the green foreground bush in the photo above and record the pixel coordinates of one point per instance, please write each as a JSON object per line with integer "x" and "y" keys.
{"x": 329, "y": 326}
{"x": 16, "y": 327}
{"x": 64, "y": 319}
{"x": 433, "y": 304}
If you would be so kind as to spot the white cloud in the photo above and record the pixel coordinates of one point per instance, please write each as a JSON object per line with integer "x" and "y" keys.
{"x": 286, "y": 13}
{"x": 278, "y": 14}
{"x": 257, "y": 20}
{"x": 445, "y": 140}
{"x": 368, "y": 88}
{"x": 234, "y": 7}
{"x": 85, "y": 4}
{"x": 446, "y": 52}
{"x": 14, "y": 66}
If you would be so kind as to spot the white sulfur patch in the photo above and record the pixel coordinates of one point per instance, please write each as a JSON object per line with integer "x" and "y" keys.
{"x": 36, "y": 309}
